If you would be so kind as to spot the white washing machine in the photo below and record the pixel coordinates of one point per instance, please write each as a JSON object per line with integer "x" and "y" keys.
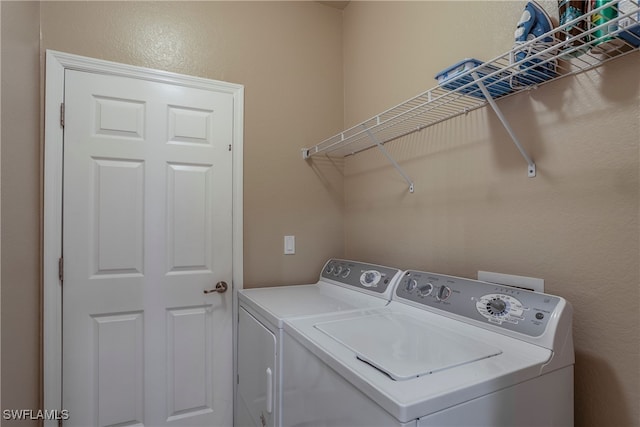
{"x": 446, "y": 351}
{"x": 344, "y": 286}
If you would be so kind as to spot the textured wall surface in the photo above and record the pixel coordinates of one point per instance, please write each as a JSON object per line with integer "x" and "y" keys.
{"x": 576, "y": 224}
{"x": 21, "y": 175}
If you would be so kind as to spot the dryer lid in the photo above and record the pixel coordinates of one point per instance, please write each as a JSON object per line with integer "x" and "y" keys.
{"x": 403, "y": 347}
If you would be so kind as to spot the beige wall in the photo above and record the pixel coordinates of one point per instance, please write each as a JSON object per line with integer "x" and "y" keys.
{"x": 575, "y": 225}
{"x": 21, "y": 174}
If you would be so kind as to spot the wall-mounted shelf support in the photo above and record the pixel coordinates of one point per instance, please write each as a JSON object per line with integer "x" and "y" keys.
{"x": 531, "y": 167}
{"x": 568, "y": 54}
{"x": 391, "y": 159}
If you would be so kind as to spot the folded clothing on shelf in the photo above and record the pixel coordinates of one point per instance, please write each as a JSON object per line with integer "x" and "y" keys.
{"x": 459, "y": 75}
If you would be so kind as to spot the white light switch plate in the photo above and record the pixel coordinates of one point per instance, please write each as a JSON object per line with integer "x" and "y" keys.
{"x": 512, "y": 280}
{"x": 289, "y": 245}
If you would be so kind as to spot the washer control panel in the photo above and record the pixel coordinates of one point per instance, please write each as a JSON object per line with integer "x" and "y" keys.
{"x": 361, "y": 275}
{"x": 511, "y": 308}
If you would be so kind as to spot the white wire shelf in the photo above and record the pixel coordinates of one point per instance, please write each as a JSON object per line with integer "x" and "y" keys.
{"x": 565, "y": 55}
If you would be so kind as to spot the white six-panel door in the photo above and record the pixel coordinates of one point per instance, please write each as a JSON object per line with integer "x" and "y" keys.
{"x": 147, "y": 229}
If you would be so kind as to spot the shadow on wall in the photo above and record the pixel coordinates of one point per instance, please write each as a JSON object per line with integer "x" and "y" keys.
{"x": 532, "y": 113}
{"x": 592, "y": 371}
{"x": 524, "y": 122}
{"x": 330, "y": 172}
{"x": 615, "y": 90}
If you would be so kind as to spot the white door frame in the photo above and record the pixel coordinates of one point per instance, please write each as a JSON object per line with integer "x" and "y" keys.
{"x": 56, "y": 64}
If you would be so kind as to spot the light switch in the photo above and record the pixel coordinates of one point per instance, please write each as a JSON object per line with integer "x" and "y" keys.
{"x": 289, "y": 245}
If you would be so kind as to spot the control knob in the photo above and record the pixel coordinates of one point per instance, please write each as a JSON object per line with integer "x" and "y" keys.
{"x": 443, "y": 293}
{"x": 498, "y": 306}
{"x": 411, "y": 284}
{"x": 370, "y": 278}
{"x": 425, "y": 290}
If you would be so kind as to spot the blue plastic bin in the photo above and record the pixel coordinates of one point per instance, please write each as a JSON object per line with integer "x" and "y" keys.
{"x": 452, "y": 78}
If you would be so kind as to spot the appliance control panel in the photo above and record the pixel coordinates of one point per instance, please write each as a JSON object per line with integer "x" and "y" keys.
{"x": 374, "y": 278}
{"x": 511, "y": 308}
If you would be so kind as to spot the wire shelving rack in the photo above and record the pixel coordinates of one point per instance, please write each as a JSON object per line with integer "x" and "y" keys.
{"x": 570, "y": 52}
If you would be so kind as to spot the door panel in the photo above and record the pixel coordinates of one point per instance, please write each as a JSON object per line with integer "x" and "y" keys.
{"x": 146, "y": 229}
{"x": 118, "y": 362}
{"x": 190, "y": 126}
{"x": 189, "y": 360}
{"x": 118, "y": 233}
{"x": 189, "y": 217}
{"x": 120, "y": 118}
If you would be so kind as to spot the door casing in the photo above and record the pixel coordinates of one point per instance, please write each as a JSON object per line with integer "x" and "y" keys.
{"x": 56, "y": 64}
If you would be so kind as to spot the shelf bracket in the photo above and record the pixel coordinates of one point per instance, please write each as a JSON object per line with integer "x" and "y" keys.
{"x": 531, "y": 167}
{"x": 388, "y": 156}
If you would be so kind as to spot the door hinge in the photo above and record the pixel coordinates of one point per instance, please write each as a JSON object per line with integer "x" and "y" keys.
{"x": 61, "y": 269}
{"x": 62, "y": 114}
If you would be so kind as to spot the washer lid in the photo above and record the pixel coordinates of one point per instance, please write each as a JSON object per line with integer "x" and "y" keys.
{"x": 403, "y": 347}
{"x": 280, "y": 302}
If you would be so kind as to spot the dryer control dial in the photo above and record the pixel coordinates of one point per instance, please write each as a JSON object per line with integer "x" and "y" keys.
{"x": 498, "y": 308}
{"x": 411, "y": 284}
{"x": 370, "y": 278}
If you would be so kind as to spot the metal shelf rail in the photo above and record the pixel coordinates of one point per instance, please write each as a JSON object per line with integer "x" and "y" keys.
{"x": 571, "y": 52}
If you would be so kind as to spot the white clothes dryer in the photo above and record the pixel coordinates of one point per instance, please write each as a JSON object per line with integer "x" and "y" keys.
{"x": 446, "y": 351}
{"x": 344, "y": 286}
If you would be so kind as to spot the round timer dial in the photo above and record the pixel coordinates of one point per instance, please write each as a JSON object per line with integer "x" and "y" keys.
{"x": 499, "y": 307}
{"x": 370, "y": 278}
